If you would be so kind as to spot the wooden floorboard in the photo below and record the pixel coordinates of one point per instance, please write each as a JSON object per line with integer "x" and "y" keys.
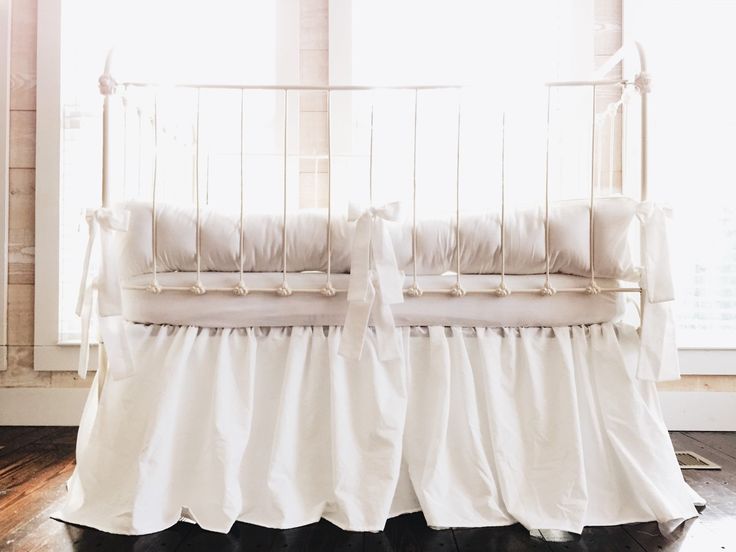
{"x": 36, "y": 462}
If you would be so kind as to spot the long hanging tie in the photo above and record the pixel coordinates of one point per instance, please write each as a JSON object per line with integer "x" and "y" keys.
{"x": 104, "y": 284}
{"x": 658, "y": 359}
{"x": 374, "y": 277}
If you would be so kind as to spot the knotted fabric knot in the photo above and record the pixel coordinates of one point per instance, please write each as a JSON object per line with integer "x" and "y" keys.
{"x": 328, "y": 290}
{"x": 502, "y": 290}
{"x": 240, "y": 290}
{"x": 414, "y": 290}
{"x": 547, "y": 290}
{"x": 154, "y": 287}
{"x": 374, "y": 277}
{"x": 198, "y": 288}
{"x": 284, "y": 290}
{"x": 593, "y": 288}
{"x": 457, "y": 291}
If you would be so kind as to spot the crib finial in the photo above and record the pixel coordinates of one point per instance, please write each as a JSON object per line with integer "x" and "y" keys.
{"x": 643, "y": 82}
{"x": 107, "y": 84}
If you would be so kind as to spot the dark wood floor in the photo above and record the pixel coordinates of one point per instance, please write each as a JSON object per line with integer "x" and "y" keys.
{"x": 35, "y": 463}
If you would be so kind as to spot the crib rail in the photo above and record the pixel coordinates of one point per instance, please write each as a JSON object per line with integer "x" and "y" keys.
{"x": 108, "y": 87}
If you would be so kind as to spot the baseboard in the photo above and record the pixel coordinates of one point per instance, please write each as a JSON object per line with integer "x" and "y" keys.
{"x": 41, "y": 406}
{"x": 699, "y": 410}
{"x": 683, "y": 410}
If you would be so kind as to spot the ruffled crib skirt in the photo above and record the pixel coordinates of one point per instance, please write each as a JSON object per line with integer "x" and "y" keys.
{"x": 476, "y": 427}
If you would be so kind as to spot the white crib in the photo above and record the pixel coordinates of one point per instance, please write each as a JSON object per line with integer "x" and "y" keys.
{"x": 281, "y": 368}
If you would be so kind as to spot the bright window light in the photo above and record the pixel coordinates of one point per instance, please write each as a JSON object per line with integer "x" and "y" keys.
{"x": 692, "y": 144}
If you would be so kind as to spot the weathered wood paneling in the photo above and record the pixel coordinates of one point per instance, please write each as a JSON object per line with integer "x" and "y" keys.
{"x": 23, "y": 55}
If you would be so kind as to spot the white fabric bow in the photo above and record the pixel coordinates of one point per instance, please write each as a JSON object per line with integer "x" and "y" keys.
{"x": 374, "y": 276}
{"x": 107, "y": 288}
{"x": 658, "y": 357}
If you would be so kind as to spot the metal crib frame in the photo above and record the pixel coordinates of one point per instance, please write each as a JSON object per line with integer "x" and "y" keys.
{"x": 108, "y": 87}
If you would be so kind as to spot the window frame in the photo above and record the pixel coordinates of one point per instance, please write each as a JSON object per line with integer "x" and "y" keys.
{"x": 49, "y": 353}
{"x": 5, "y": 52}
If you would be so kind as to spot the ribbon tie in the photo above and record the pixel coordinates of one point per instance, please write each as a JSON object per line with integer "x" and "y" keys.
{"x": 105, "y": 286}
{"x": 374, "y": 276}
{"x": 658, "y": 358}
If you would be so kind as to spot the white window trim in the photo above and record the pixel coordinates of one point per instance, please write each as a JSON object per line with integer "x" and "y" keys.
{"x": 49, "y": 355}
{"x": 5, "y": 23}
{"x": 693, "y": 360}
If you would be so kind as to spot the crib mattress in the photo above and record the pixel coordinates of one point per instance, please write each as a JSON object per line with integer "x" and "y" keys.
{"x": 225, "y": 310}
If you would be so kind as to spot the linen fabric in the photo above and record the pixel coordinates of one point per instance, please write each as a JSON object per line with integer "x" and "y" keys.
{"x": 473, "y": 426}
{"x": 306, "y": 233}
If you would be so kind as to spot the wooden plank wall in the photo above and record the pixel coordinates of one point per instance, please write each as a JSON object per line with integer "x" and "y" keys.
{"x": 313, "y": 140}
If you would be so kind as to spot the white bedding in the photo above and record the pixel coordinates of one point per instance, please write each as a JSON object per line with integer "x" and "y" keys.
{"x": 546, "y": 427}
{"x": 480, "y": 251}
{"x": 225, "y": 310}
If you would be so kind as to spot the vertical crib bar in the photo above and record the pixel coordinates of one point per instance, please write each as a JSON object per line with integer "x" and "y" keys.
{"x": 414, "y": 289}
{"x": 644, "y": 159}
{"x": 207, "y": 178}
{"x": 284, "y": 289}
{"x": 240, "y": 288}
{"x": 457, "y": 290}
{"x": 198, "y": 287}
{"x": 125, "y": 145}
{"x": 592, "y": 288}
{"x": 154, "y": 286}
{"x": 611, "y": 147}
{"x": 140, "y": 151}
{"x": 370, "y": 156}
{"x": 329, "y": 290}
{"x": 547, "y": 289}
{"x": 502, "y": 290}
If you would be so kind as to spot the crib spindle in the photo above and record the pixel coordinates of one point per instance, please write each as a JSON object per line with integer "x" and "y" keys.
{"x": 457, "y": 289}
{"x": 547, "y": 290}
{"x": 592, "y": 288}
{"x": 502, "y": 290}
{"x": 240, "y": 289}
{"x": 284, "y": 290}
{"x": 140, "y": 150}
{"x": 198, "y": 288}
{"x": 370, "y": 154}
{"x": 154, "y": 286}
{"x": 328, "y": 290}
{"x": 414, "y": 290}
{"x": 124, "y": 101}
{"x": 611, "y": 149}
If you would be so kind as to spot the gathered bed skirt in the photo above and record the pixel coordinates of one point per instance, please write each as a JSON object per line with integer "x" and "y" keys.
{"x": 548, "y": 427}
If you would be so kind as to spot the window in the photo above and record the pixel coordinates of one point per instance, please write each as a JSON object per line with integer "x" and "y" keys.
{"x": 692, "y": 140}
{"x": 504, "y": 51}
{"x": 218, "y": 42}
{"x": 256, "y": 42}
